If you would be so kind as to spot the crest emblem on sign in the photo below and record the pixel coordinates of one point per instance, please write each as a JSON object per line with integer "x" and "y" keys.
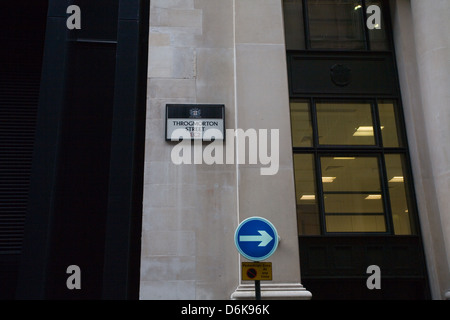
{"x": 195, "y": 113}
{"x": 341, "y": 75}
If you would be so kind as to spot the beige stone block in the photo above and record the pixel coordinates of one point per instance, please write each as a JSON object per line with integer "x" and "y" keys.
{"x": 167, "y": 290}
{"x": 163, "y": 17}
{"x": 160, "y": 62}
{"x": 185, "y": 37}
{"x": 168, "y": 243}
{"x": 156, "y": 109}
{"x": 168, "y": 268}
{"x": 158, "y": 39}
{"x": 215, "y": 76}
{"x": 218, "y": 31}
{"x": 171, "y": 88}
{"x": 184, "y": 63}
{"x": 169, "y": 62}
{"x": 160, "y": 218}
{"x": 173, "y": 4}
{"x": 159, "y": 172}
{"x": 259, "y": 21}
{"x": 156, "y": 149}
{"x": 160, "y": 196}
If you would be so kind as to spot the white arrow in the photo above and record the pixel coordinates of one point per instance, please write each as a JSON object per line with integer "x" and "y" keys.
{"x": 264, "y": 238}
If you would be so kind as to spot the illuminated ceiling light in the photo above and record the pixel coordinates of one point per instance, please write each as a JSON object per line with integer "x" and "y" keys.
{"x": 358, "y": 7}
{"x": 344, "y": 158}
{"x": 365, "y": 131}
{"x": 307, "y": 197}
{"x": 373, "y": 197}
{"x": 328, "y": 179}
{"x": 397, "y": 179}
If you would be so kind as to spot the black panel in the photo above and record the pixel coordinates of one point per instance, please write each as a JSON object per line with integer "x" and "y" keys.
{"x": 341, "y": 74}
{"x": 22, "y": 31}
{"x": 83, "y": 175}
{"x": 123, "y": 230}
{"x": 86, "y": 182}
{"x": 356, "y": 289}
{"x": 98, "y": 19}
{"x": 335, "y": 267}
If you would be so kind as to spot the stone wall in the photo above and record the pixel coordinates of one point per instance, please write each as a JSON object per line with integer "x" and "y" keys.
{"x": 227, "y": 52}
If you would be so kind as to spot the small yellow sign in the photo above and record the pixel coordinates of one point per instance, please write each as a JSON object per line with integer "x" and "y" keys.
{"x": 257, "y": 271}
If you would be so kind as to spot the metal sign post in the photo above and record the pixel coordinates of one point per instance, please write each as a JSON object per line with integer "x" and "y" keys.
{"x": 258, "y": 289}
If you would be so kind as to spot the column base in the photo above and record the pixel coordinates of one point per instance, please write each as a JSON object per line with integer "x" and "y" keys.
{"x": 272, "y": 291}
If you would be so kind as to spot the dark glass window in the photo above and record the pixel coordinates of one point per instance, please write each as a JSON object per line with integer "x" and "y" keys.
{"x": 294, "y": 25}
{"x": 352, "y": 194}
{"x": 345, "y": 123}
{"x": 333, "y": 25}
{"x": 351, "y": 173}
{"x": 307, "y": 198}
{"x": 350, "y": 151}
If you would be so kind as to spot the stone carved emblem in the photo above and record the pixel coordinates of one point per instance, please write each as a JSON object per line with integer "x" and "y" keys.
{"x": 341, "y": 75}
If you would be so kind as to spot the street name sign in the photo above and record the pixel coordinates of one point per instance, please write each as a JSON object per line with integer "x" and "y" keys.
{"x": 195, "y": 122}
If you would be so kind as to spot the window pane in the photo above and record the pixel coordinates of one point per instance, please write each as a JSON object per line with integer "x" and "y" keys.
{"x": 350, "y": 174}
{"x": 353, "y": 203}
{"x": 336, "y": 24}
{"x": 345, "y": 124}
{"x": 402, "y": 210}
{"x": 301, "y": 125}
{"x": 353, "y": 200}
{"x": 305, "y": 186}
{"x": 378, "y": 37}
{"x": 355, "y": 223}
{"x": 388, "y": 121}
{"x": 293, "y": 24}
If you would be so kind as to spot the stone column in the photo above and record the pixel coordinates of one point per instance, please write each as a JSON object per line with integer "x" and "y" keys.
{"x": 262, "y": 102}
{"x": 432, "y": 38}
{"x": 227, "y": 52}
{"x": 421, "y": 32}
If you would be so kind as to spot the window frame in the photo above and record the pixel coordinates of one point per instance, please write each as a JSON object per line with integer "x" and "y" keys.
{"x": 378, "y": 150}
{"x": 365, "y": 31}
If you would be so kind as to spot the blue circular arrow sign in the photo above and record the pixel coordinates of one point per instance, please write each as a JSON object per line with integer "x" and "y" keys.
{"x": 256, "y": 238}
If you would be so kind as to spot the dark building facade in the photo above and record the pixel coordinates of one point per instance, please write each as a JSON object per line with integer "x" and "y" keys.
{"x": 74, "y": 102}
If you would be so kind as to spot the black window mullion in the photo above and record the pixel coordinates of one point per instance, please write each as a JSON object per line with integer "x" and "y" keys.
{"x": 306, "y": 25}
{"x": 320, "y": 194}
{"x": 386, "y": 196}
{"x": 377, "y": 124}
{"x": 315, "y": 127}
{"x": 364, "y": 25}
